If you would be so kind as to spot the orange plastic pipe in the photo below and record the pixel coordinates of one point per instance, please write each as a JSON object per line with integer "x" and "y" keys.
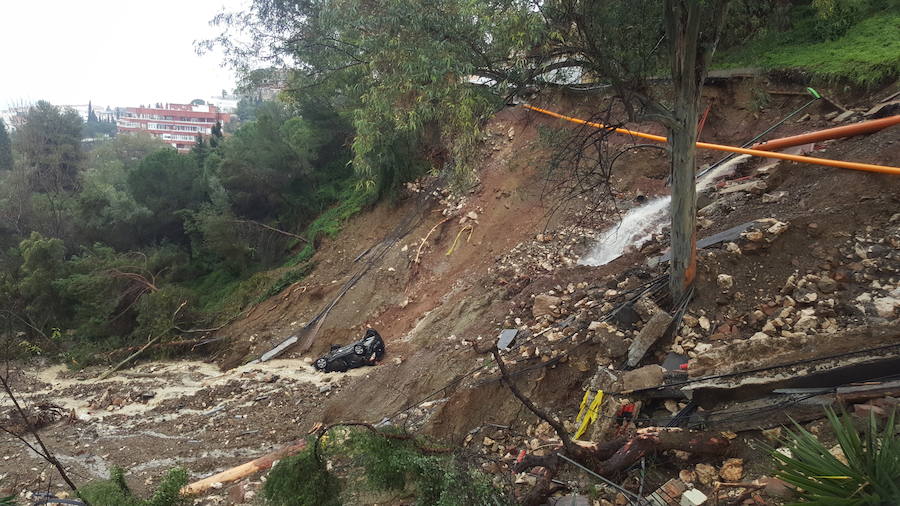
{"x": 720, "y": 147}
{"x": 830, "y": 133}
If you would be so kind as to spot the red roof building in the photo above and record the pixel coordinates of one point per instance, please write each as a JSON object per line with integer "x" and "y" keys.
{"x": 177, "y": 124}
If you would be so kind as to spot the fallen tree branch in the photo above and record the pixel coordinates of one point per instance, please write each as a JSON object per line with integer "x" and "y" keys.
{"x": 39, "y": 448}
{"x": 170, "y": 344}
{"x": 607, "y": 458}
{"x": 129, "y": 359}
{"x": 273, "y": 229}
{"x": 453, "y": 246}
{"x": 134, "y": 276}
{"x": 236, "y": 473}
{"x": 613, "y": 457}
{"x": 556, "y": 424}
{"x": 143, "y": 348}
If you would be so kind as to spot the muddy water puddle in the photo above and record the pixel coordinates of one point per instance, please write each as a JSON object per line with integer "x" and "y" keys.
{"x": 163, "y": 381}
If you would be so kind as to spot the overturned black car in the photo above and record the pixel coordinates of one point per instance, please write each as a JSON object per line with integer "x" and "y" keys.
{"x": 366, "y": 351}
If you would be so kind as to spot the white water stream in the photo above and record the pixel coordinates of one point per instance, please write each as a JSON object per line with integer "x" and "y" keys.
{"x": 640, "y": 223}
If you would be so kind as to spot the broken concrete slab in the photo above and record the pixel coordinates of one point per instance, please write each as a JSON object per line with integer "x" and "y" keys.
{"x": 652, "y": 331}
{"x": 648, "y": 376}
{"x": 883, "y": 109}
{"x": 274, "y": 352}
{"x": 844, "y": 116}
{"x": 755, "y": 187}
{"x": 728, "y": 235}
{"x": 507, "y": 336}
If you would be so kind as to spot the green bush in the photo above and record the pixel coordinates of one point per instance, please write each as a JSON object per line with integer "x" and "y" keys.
{"x": 437, "y": 479}
{"x": 115, "y": 492}
{"x": 835, "y": 17}
{"x": 870, "y": 476}
{"x": 301, "y": 480}
{"x": 387, "y": 464}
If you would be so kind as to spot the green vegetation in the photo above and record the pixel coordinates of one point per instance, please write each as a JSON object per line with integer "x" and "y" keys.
{"x": 834, "y": 41}
{"x": 329, "y": 223}
{"x": 397, "y": 464}
{"x": 115, "y": 492}
{"x": 435, "y": 479}
{"x": 301, "y": 480}
{"x": 868, "y": 475}
{"x": 133, "y": 240}
{"x": 6, "y": 156}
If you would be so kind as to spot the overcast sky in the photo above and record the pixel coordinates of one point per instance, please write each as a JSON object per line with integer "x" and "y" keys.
{"x": 113, "y": 52}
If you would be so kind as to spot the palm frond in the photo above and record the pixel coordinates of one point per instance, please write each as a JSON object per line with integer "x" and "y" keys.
{"x": 870, "y": 476}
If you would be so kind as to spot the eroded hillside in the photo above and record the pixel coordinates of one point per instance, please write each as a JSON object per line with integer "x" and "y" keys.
{"x": 819, "y": 276}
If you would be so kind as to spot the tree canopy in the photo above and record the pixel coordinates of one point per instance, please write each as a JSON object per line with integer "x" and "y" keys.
{"x": 49, "y": 142}
{"x": 6, "y": 156}
{"x": 411, "y": 76}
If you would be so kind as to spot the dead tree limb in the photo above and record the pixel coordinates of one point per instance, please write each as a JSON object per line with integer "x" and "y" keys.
{"x": 143, "y": 348}
{"x": 129, "y": 359}
{"x": 148, "y": 284}
{"x": 39, "y": 448}
{"x": 555, "y": 423}
{"x": 613, "y": 457}
{"x": 273, "y": 229}
{"x": 243, "y": 470}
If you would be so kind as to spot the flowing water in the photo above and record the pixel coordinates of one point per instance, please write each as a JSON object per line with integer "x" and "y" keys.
{"x": 640, "y": 223}
{"x": 637, "y": 227}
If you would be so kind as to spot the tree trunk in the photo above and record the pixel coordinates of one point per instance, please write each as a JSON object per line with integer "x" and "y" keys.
{"x": 610, "y": 458}
{"x": 690, "y": 54}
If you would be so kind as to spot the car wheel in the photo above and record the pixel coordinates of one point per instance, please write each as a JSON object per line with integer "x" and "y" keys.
{"x": 321, "y": 364}
{"x": 359, "y": 349}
